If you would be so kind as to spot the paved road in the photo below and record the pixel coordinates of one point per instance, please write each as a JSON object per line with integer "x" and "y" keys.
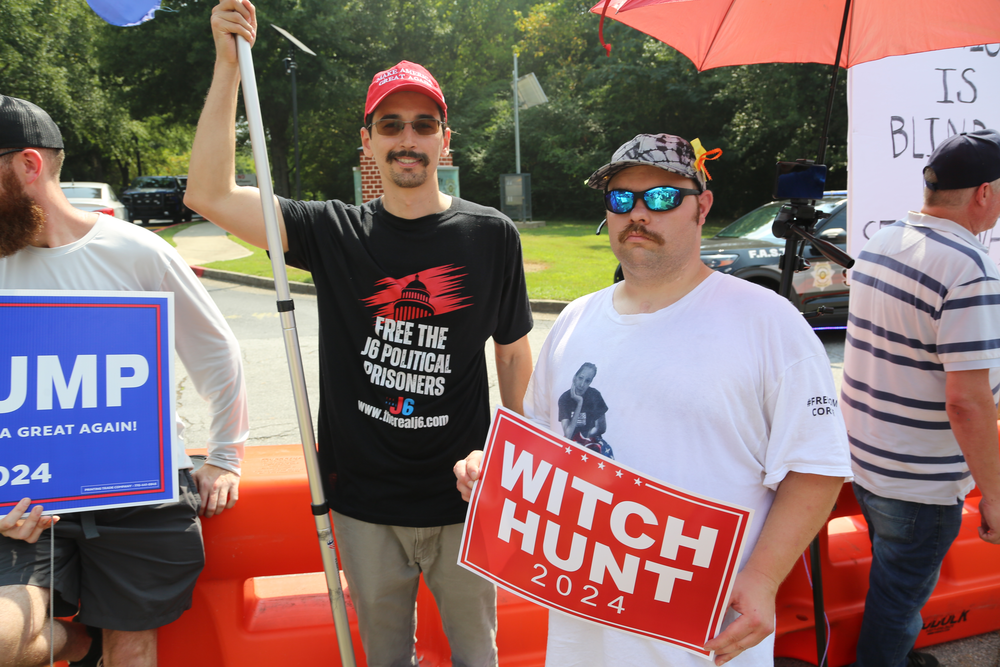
{"x": 251, "y": 313}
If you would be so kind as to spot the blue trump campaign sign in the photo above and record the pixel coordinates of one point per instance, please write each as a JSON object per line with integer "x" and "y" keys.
{"x": 86, "y": 399}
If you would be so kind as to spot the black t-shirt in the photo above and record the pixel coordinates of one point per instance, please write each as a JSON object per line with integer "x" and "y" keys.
{"x": 405, "y": 309}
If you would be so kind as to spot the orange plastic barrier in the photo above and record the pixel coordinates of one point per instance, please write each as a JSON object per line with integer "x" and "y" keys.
{"x": 966, "y": 601}
{"x": 262, "y": 597}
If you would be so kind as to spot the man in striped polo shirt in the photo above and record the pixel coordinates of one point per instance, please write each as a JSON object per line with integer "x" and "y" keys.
{"x": 921, "y": 372}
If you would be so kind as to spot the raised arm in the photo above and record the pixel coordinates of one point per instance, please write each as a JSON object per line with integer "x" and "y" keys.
{"x": 212, "y": 189}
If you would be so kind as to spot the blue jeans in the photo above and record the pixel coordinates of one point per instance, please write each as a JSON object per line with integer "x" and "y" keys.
{"x": 909, "y": 541}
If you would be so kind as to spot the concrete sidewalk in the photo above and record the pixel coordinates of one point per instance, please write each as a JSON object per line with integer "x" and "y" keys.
{"x": 205, "y": 243}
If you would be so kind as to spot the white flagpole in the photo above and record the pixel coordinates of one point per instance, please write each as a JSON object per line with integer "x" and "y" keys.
{"x": 324, "y": 528}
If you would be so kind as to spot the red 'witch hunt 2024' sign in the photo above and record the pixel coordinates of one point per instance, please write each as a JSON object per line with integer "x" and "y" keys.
{"x": 579, "y": 533}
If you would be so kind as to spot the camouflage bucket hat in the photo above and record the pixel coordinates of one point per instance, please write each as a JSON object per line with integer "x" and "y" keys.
{"x": 666, "y": 151}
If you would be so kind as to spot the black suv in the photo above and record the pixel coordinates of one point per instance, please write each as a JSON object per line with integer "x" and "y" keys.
{"x": 159, "y": 197}
{"x": 748, "y": 250}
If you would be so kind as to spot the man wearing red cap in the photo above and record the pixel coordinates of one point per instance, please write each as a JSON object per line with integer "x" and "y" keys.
{"x": 409, "y": 287}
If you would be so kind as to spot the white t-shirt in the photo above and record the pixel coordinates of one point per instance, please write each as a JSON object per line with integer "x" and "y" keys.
{"x": 722, "y": 394}
{"x": 119, "y": 256}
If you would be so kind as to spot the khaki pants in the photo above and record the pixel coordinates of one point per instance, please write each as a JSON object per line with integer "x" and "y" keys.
{"x": 383, "y": 564}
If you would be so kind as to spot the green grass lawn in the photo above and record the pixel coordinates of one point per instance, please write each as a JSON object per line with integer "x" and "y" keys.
{"x": 167, "y": 233}
{"x": 563, "y": 260}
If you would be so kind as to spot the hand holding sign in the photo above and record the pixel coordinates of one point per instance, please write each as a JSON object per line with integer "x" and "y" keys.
{"x": 753, "y": 598}
{"x": 17, "y": 526}
{"x": 467, "y": 473}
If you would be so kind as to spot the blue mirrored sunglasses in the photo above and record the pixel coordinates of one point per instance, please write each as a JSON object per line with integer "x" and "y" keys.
{"x": 662, "y": 198}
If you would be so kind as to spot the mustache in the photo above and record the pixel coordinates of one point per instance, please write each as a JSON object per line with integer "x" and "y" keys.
{"x": 424, "y": 160}
{"x": 640, "y": 230}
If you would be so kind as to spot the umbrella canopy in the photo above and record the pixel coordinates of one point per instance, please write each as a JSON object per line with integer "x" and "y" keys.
{"x": 717, "y": 33}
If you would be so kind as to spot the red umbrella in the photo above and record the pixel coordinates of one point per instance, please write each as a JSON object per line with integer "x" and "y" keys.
{"x": 717, "y": 33}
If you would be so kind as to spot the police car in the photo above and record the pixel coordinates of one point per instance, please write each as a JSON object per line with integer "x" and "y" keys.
{"x": 747, "y": 249}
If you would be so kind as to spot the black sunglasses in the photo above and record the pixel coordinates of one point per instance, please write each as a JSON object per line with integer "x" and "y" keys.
{"x": 16, "y": 150}
{"x": 659, "y": 199}
{"x": 391, "y": 127}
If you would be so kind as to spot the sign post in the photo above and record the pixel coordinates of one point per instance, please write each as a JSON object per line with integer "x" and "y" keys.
{"x": 286, "y": 311}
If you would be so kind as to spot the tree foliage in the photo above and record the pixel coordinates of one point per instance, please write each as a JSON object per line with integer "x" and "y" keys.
{"x": 127, "y": 99}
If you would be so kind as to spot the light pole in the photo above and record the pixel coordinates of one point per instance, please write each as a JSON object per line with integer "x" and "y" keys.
{"x": 290, "y": 68}
{"x": 527, "y": 93}
{"x": 517, "y": 123}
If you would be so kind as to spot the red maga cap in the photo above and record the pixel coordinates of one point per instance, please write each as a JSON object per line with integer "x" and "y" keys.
{"x": 404, "y": 76}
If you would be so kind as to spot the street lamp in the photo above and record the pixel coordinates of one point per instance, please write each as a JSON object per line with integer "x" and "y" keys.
{"x": 527, "y": 93}
{"x": 515, "y": 189}
{"x": 290, "y": 69}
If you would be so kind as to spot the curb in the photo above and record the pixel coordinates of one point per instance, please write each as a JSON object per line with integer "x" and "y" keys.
{"x": 537, "y": 305}
{"x": 251, "y": 281}
{"x": 547, "y": 306}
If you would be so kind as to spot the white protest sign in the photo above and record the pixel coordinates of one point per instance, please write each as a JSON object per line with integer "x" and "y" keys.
{"x": 901, "y": 108}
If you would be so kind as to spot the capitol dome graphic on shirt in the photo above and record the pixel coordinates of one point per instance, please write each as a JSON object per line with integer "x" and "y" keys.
{"x": 415, "y": 302}
{"x": 428, "y": 292}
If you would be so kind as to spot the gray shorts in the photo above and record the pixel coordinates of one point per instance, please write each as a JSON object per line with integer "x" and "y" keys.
{"x": 383, "y": 565}
{"x": 137, "y": 573}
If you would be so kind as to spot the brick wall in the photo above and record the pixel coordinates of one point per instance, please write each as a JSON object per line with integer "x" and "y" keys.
{"x": 371, "y": 182}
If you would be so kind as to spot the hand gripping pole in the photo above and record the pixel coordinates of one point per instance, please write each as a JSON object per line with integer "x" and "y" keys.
{"x": 324, "y": 528}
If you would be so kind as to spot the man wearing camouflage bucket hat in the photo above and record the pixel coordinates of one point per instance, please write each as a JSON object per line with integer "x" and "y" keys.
{"x": 744, "y": 414}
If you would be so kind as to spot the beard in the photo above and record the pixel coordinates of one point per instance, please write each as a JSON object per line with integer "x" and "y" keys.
{"x": 20, "y": 217}
{"x": 408, "y": 179}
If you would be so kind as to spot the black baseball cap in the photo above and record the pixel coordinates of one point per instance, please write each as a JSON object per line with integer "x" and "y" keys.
{"x": 25, "y": 125}
{"x": 964, "y": 161}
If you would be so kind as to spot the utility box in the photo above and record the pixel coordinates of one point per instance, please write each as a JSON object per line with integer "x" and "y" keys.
{"x": 515, "y": 196}
{"x": 448, "y": 180}
{"x": 358, "y": 201}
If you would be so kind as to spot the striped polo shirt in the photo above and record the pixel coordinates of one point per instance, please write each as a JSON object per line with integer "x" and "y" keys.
{"x": 925, "y": 299}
